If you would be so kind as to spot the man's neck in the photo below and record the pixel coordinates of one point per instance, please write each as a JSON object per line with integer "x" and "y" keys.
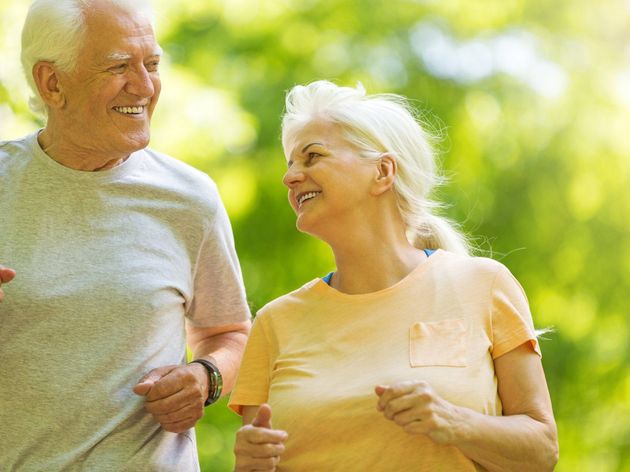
{"x": 74, "y": 157}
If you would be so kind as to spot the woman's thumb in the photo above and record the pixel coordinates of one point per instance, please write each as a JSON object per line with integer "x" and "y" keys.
{"x": 263, "y": 417}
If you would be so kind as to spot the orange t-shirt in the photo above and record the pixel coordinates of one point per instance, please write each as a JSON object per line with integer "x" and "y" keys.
{"x": 316, "y": 354}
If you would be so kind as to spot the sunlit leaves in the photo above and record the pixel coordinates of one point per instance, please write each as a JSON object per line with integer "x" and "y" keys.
{"x": 534, "y": 99}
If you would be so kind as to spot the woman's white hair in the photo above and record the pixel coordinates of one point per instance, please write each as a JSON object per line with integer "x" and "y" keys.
{"x": 378, "y": 124}
{"x": 54, "y": 31}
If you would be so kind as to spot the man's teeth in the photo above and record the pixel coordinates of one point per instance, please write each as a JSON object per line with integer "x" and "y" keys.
{"x": 306, "y": 196}
{"x": 129, "y": 110}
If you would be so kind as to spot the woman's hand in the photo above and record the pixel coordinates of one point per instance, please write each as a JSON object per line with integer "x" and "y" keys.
{"x": 418, "y": 409}
{"x": 258, "y": 446}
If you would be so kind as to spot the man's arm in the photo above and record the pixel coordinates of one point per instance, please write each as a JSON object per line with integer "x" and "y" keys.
{"x": 175, "y": 395}
{"x": 223, "y": 346}
{"x": 6, "y": 276}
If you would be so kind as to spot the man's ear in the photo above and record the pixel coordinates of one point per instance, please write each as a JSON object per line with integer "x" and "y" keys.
{"x": 46, "y": 78}
{"x": 386, "y": 170}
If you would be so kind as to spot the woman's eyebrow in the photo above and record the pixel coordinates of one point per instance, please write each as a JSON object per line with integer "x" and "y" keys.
{"x": 309, "y": 145}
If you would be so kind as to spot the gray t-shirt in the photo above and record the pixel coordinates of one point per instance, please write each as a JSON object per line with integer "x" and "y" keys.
{"x": 109, "y": 266}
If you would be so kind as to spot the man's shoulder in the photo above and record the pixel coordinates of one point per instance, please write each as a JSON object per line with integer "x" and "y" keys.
{"x": 180, "y": 172}
{"x": 173, "y": 164}
{"x": 173, "y": 175}
{"x": 15, "y": 150}
{"x": 15, "y": 146}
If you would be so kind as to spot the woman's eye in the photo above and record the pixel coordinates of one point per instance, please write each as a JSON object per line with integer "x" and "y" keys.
{"x": 313, "y": 155}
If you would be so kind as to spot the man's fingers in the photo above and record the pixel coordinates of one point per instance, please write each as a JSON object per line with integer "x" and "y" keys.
{"x": 146, "y": 383}
{"x": 169, "y": 413}
{"x": 151, "y": 379}
{"x": 179, "y": 426}
{"x": 142, "y": 388}
{"x": 176, "y": 380}
{"x": 6, "y": 274}
{"x": 263, "y": 417}
{"x": 176, "y": 404}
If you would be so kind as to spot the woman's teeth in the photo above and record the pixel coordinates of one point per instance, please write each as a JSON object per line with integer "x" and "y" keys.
{"x": 307, "y": 196}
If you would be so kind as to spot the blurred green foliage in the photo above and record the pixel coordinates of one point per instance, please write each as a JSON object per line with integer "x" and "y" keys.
{"x": 531, "y": 99}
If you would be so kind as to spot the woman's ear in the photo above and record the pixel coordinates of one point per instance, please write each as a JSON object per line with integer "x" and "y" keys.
{"x": 46, "y": 78}
{"x": 386, "y": 170}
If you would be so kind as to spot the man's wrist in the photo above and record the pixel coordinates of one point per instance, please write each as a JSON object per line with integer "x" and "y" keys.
{"x": 215, "y": 380}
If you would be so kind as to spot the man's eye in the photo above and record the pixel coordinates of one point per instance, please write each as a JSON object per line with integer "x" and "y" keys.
{"x": 118, "y": 69}
{"x": 313, "y": 155}
{"x": 153, "y": 66}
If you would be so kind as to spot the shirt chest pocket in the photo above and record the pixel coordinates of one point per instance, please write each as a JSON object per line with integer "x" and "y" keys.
{"x": 438, "y": 343}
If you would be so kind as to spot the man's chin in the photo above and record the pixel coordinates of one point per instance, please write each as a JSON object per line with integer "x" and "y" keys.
{"x": 138, "y": 141}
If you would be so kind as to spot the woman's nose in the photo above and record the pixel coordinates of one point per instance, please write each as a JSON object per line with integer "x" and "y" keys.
{"x": 293, "y": 177}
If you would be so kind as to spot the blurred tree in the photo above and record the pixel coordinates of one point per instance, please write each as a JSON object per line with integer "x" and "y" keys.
{"x": 531, "y": 102}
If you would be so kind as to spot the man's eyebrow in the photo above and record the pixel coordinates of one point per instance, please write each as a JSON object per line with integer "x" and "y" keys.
{"x": 125, "y": 56}
{"x": 119, "y": 56}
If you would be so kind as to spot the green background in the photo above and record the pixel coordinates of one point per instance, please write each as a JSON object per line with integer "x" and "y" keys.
{"x": 532, "y": 103}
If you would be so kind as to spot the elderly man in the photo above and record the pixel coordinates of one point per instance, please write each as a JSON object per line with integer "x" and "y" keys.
{"x": 118, "y": 255}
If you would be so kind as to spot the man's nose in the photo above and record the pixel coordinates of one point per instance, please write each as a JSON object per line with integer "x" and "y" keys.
{"x": 140, "y": 83}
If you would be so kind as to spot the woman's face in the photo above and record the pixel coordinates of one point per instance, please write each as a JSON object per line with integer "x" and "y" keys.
{"x": 328, "y": 182}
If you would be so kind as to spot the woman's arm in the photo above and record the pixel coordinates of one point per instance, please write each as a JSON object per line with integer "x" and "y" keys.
{"x": 523, "y": 439}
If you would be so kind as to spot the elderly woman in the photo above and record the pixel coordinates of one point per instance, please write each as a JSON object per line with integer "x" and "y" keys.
{"x": 411, "y": 355}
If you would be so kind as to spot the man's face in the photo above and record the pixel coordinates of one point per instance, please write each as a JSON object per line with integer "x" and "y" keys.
{"x": 110, "y": 97}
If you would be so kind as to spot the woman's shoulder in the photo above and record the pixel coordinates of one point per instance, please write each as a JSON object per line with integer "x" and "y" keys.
{"x": 473, "y": 265}
{"x": 292, "y": 302}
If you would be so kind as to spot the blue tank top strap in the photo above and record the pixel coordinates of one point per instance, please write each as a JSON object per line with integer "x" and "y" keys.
{"x": 327, "y": 277}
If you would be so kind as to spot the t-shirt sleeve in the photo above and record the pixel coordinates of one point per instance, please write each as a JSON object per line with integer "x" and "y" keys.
{"x": 512, "y": 323}
{"x": 254, "y": 375}
{"x": 218, "y": 290}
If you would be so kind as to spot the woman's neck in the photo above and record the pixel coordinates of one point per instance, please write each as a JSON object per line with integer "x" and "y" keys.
{"x": 373, "y": 262}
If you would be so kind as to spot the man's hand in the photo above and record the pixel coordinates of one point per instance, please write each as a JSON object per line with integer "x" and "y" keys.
{"x": 258, "y": 447}
{"x": 175, "y": 395}
{"x": 6, "y": 276}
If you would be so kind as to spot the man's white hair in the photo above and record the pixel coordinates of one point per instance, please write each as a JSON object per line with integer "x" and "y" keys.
{"x": 54, "y": 31}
